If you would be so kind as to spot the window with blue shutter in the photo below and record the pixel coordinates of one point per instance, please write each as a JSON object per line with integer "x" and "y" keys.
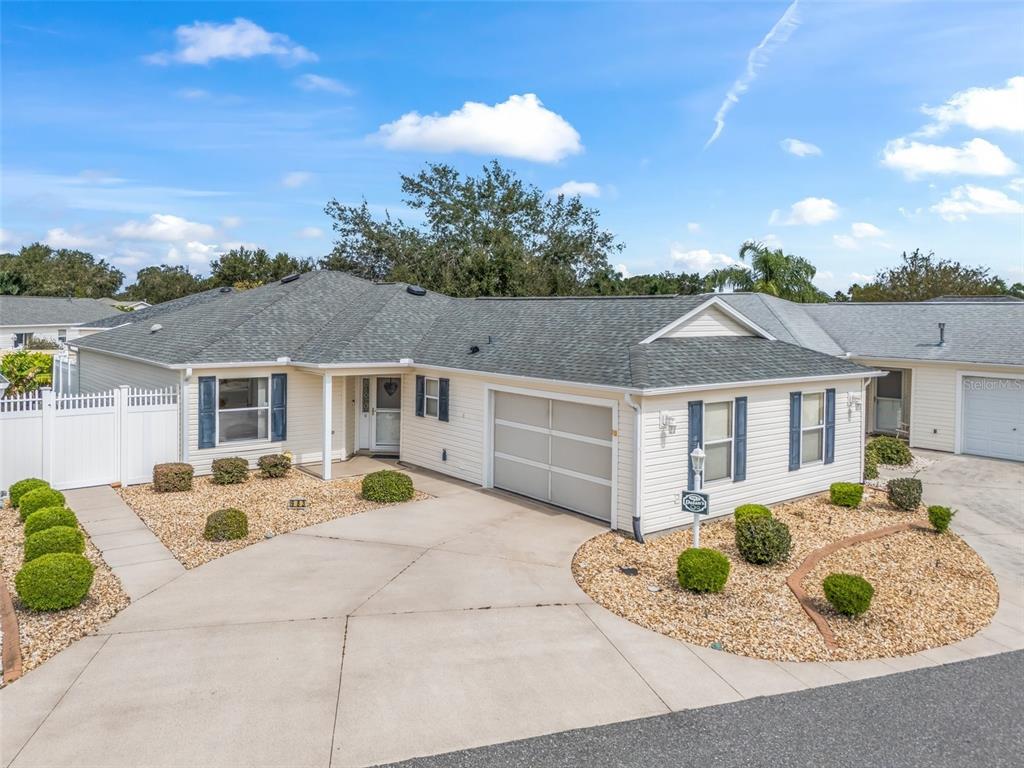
{"x": 794, "y": 430}
{"x": 739, "y": 442}
{"x": 694, "y": 437}
{"x": 420, "y": 394}
{"x": 442, "y": 399}
{"x": 278, "y": 406}
{"x": 830, "y": 426}
{"x": 207, "y": 411}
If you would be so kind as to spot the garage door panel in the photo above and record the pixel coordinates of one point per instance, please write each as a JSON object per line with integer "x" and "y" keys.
{"x": 578, "y": 456}
{"x": 581, "y": 419}
{"x": 521, "y": 478}
{"x": 525, "y": 443}
{"x": 993, "y": 417}
{"x": 581, "y": 495}
{"x": 521, "y": 409}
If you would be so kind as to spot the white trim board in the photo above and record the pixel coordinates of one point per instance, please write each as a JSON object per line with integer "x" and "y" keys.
{"x": 716, "y": 302}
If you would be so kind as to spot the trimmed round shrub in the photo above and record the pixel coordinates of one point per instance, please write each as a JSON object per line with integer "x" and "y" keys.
{"x": 55, "y": 581}
{"x": 274, "y": 465}
{"x": 702, "y": 570}
{"x": 848, "y": 593}
{"x": 890, "y": 450}
{"x": 846, "y": 494}
{"x": 20, "y": 488}
{"x": 48, "y": 517}
{"x": 763, "y": 540}
{"x": 37, "y": 499}
{"x": 230, "y": 471}
{"x": 940, "y": 517}
{"x": 59, "y": 538}
{"x": 387, "y": 486}
{"x": 172, "y": 477}
{"x": 870, "y": 464}
{"x": 905, "y": 492}
{"x": 750, "y": 511}
{"x": 226, "y": 525}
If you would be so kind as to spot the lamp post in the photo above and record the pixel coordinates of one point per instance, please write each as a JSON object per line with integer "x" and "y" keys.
{"x": 697, "y": 458}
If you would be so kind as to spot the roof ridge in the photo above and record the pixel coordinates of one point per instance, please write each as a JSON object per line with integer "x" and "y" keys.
{"x": 342, "y": 308}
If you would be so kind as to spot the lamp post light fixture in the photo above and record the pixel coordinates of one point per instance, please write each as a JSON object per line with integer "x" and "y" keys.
{"x": 697, "y": 458}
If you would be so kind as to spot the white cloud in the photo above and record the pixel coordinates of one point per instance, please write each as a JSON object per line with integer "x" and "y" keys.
{"x": 520, "y": 127}
{"x": 624, "y": 270}
{"x": 130, "y": 258}
{"x": 6, "y": 236}
{"x": 983, "y": 109}
{"x": 1016, "y": 185}
{"x": 845, "y": 242}
{"x": 581, "y": 188}
{"x": 61, "y": 238}
{"x": 861, "y": 229}
{"x": 164, "y": 227}
{"x": 800, "y": 148}
{"x": 311, "y": 82}
{"x": 193, "y": 94}
{"x": 310, "y": 233}
{"x": 810, "y": 210}
{"x": 296, "y": 179}
{"x": 202, "y": 42}
{"x": 859, "y": 277}
{"x": 772, "y": 241}
{"x": 969, "y": 199}
{"x": 702, "y": 260}
{"x": 195, "y": 251}
{"x": 231, "y": 222}
{"x": 756, "y": 60}
{"x": 976, "y": 157}
{"x": 692, "y": 227}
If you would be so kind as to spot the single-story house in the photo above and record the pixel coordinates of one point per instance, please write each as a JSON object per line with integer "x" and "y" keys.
{"x": 56, "y": 319}
{"x": 589, "y": 403}
{"x": 124, "y": 305}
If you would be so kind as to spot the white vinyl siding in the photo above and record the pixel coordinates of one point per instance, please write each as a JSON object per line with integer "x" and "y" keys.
{"x": 711, "y": 322}
{"x": 99, "y": 373}
{"x": 49, "y": 332}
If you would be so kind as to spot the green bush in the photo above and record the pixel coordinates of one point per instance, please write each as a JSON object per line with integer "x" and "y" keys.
{"x": 940, "y": 517}
{"x": 846, "y": 494}
{"x": 226, "y": 525}
{"x": 230, "y": 471}
{"x": 37, "y": 499}
{"x": 26, "y": 371}
{"x": 20, "y": 488}
{"x": 848, "y": 593}
{"x": 870, "y": 464}
{"x": 905, "y": 492}
{"x": 702, "y": 570}
{"x": 55, "y": 581}
{"x": 387, "y": 486}
{"x": 171, "y": 477}
{"x": 763, "y": 540}
{"x": 750, "y": 511}
{"x": 59, "y": 538}
{"x": 890, "y": 450}
{"x": 274, "y": 465}
{"x": 48, "y": 517}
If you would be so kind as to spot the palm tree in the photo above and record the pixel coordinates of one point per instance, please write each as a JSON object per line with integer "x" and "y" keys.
{"x": 770, "y": 271}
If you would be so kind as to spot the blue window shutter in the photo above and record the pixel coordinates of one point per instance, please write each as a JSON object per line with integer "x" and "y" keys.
{"x": 830, "y": 426}
{"x": 278, "y": 406}
{"x": 420, "y": 387}
{"x": 207, "y": 411}
{"x": 442, "y": 399}
{"x": 795, "y": 400}
{"x": 694, "y": 437}
{"x": 739, "y": 440}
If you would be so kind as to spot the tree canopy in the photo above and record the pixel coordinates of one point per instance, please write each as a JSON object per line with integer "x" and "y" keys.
{"x": 772, "y": 272}
{"x": 163, "y": 283}
{"x": 40, "y": 270}
{"x": 247, "y": 268}
{"x": 921, "y": 276}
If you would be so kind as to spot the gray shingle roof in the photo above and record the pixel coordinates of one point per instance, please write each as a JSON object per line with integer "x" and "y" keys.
{"x": 51, "y": 310}
{"x": 139, "y": 315}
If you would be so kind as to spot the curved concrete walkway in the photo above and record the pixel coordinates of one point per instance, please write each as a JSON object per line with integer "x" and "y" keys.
{"x": 411, "y": 630}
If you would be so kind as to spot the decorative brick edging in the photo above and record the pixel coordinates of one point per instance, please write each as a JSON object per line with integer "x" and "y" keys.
{"x": 12, "y": 640}
{"x": 795, "y": 579}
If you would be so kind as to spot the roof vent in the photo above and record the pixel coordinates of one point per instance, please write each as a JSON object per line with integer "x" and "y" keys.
{"x": 290, "y": 278}
{"x": 942, "y": 334}
{"x": 226, "y": 289}
{"x": 415, "y": 290}
{"x": 155, "y": 327}
{"x": 474, "y": 349}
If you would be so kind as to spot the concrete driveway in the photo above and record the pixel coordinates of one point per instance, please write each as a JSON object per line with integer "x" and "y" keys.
{"x": 412, "y": 630}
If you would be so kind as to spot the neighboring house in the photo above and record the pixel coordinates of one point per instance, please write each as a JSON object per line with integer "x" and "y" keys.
{"x": 125, "y": 305}
{"x": 23, "y": 318}
{"x": 593, "y": 404}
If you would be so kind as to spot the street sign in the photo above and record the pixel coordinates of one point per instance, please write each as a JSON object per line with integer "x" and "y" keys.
{"x": 696, "y": 503}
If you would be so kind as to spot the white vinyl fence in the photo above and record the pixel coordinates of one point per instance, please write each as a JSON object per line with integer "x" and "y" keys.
{"x": 74, "y": 441}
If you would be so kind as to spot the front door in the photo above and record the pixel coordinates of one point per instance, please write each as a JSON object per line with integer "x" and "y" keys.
{"x": 386, "y": 413}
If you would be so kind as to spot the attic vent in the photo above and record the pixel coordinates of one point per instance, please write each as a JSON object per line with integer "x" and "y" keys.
{"x": 155, "y": 327}
{"x": 415, "y": 290}
{"x": 290, "y": 278}
{"x": 226, "y": 289}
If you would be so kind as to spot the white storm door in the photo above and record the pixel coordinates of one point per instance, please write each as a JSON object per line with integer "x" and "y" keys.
{"x": 386, "y": 412}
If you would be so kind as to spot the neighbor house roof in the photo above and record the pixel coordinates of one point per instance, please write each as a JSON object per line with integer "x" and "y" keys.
{"x": 145, "y": 313}
{"x": 18, "y": 311}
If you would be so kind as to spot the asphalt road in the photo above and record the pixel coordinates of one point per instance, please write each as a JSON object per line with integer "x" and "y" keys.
{"x": 963, "y": 714}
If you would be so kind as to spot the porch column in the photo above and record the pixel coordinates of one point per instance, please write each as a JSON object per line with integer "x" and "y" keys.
{"x": 328, "y": 397}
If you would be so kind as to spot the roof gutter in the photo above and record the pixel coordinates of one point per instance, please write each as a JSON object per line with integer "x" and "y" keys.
{"x": 762, "y": 382}
{"x": 637, "y": 465}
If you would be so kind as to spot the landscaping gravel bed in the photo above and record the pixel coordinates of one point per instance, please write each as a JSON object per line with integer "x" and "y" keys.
{"x": 44, "y": 633}
{"x": 930, "y": 590}
{"x": 178, "y": 518}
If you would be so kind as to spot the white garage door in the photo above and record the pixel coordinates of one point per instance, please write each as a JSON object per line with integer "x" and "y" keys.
{"x": 555, "y": 451}
{"x": 993, "y": 417}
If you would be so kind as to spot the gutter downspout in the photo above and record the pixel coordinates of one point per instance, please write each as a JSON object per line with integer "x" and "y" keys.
{"x": 637, "y": 466}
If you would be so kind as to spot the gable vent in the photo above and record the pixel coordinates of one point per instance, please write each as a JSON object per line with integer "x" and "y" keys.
{"x": 415, "y": 290}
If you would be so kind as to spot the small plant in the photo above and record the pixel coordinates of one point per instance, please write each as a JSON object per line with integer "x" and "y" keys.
{"x": 39, "y": 498}
{"x": 702, "y": 570}
{"x": 905, "y": 492}
{"x": 846, "y": 494}
{"x": 55, "y": 581}
{"x": 59, "y": 538}
{"x": 848, "y": 593}
{"x": 274, "y": 465}
{"x": 27, "y": 371}
{"x": 387, "y": 486}
{"x": 940, "y": 517}
{"x": 48, "y": 517}
{"x": 751, "y": 511}
{"x": 230, "y": 471}
{"x": 890, "y": 450}
{"x": 172, "y": 477}
{"x": 226, "y": 525}
{"x": 763, "y": 540}
{"x": 20, "y": 488}
{"x": 870, "y": 464}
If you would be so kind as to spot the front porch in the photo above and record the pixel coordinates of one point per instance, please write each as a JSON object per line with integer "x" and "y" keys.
{"x": 888, "y": 403}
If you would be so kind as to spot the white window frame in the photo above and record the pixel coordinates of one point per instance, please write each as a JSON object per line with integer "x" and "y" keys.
{"x": 247, "y": 441}
{"x": 729, "y": 440}
{"x": 427, "y": 397}
{"x": 62, "y": 335}
{"x": 804, "y": 428}
{"x": 26, "y": 337}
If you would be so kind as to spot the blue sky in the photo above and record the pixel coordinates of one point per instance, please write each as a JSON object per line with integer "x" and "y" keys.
{"x": 168, "y": 132}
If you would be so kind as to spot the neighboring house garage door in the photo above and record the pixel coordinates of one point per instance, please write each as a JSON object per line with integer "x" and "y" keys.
{"x": 993, "y": 417}
{"x": 554, "y": 450}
